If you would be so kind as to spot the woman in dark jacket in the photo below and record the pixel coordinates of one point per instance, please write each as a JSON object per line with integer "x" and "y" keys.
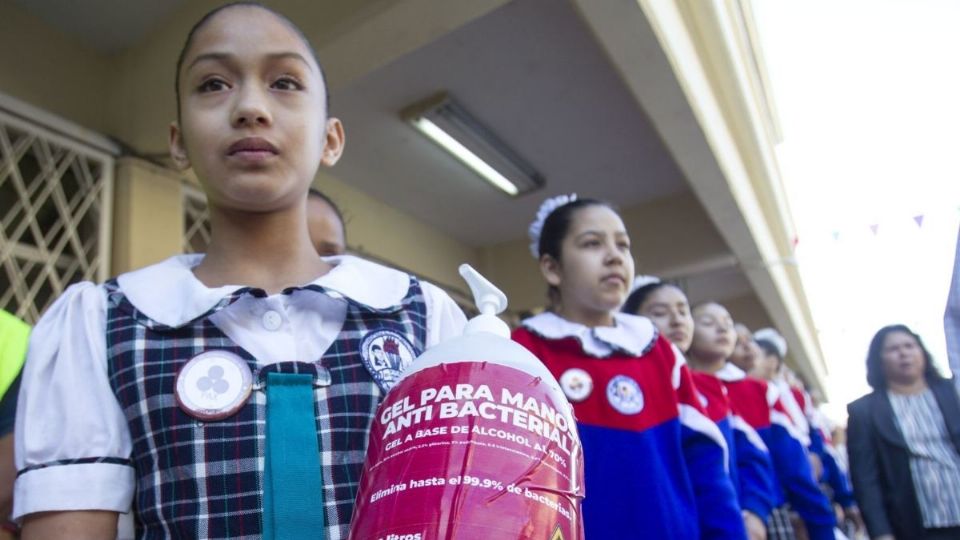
{"x": 904, "y": 443}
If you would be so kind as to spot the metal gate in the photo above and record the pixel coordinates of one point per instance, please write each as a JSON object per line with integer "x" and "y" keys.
{"x": 55, "y": 208}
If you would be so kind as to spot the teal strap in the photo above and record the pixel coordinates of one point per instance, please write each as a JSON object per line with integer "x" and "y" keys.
{"x": 292, "y": 485}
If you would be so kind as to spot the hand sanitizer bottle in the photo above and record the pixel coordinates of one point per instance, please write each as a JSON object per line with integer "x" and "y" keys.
{"x": 475, "y": 441}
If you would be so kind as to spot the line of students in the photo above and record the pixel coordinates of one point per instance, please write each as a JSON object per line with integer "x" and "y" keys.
{"x": 653, "y": 462}
{"x": 114, "y": 368}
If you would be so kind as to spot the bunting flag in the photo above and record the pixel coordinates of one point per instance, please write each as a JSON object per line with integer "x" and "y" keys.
{"x": 923, "y": 219}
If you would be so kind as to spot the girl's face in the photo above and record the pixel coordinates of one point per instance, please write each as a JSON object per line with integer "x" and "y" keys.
{"x": 253, "y": 121}
{"x": 713, "y": 334}
{"x": 667, "y": 307}
{"x": 766, "y": 367}
{"x": 746, "y": 352}
{"x": 595, "y": 268}
{"x": 902, "y": 358}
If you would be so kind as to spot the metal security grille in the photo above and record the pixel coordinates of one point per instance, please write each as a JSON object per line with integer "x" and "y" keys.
{"x": 55, "y": 202}
{"x": 196, "y": 220}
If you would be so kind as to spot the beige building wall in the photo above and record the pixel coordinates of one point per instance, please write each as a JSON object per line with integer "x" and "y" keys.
{"x": 381, "y": 232}
{"x": 52, "y": 71}
{"x": 677, "y": 229}
{"x": 147, "y": 215}
{"x": 748, "y": 310}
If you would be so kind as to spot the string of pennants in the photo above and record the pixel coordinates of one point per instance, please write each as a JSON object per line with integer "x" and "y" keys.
{"x": 875, "y": 228}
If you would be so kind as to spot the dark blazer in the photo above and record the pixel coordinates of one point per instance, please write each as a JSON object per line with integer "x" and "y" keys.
{"x": 880, "y": 461}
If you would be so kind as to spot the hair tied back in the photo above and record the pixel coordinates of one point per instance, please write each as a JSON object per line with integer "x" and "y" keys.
{"x": 546, "y": 208}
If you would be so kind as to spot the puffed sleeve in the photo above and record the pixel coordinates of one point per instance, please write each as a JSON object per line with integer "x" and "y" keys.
{"x": 445, "y": 319}
{"x": 73, "y": 446}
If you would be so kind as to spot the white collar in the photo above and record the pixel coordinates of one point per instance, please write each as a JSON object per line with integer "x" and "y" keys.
{"x": 169, "y": 293}
{"x": 730, "y": 373}
{"x": 631, "y": 334}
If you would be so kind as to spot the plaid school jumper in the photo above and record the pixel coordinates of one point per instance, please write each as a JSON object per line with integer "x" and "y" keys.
{"x": 204, "y": 480}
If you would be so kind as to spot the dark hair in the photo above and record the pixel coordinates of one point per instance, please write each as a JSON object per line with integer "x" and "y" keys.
{"x": 770, "y": 349}
{"x": 210, "y": 14}
{"x": 637, "y": 298}
{"x": 875, "y": 377}
{"x": 557, "y": 225}
{"x": 314, "y": 192}
{"x": 555, "y": 229}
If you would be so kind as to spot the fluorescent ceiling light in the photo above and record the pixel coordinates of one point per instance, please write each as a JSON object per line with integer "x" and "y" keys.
{"x": 453, "y": 129}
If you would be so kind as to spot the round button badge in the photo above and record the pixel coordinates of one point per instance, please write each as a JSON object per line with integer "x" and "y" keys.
{"x": 576, "y": 384}
{"x": 625, "y": 395}
{"x": 213, "y": 385}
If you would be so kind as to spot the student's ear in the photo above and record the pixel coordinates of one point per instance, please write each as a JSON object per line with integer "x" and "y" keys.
{"x": 550, "y": 268}
{"x": 333, "y": 147}
{"x": 178, "y": 151}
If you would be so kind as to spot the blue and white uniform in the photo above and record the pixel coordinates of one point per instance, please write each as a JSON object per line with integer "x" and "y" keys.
{"x": 655, "y": 465}
{"x": 760, "y": 404}
{"x": 750, "y": 466}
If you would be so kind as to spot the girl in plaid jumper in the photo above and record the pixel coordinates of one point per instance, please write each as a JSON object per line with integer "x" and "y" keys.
{"x": 153, "y": 393}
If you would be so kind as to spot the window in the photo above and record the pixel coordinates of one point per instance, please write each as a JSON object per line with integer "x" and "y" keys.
{"x": 196, "y": 220}
{"x": 55, "y": 195}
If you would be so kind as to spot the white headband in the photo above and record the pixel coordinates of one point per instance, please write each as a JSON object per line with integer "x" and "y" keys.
{"x": 772, "y": 336}
{"x": 547, "y": 208}
{"x": 643, "y": 281}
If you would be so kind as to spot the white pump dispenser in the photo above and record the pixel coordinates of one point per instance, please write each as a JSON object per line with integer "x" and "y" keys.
{"x": 489, "y": 300}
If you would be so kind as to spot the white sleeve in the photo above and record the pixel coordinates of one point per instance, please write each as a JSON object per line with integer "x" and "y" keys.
{"x": 72, "y": 444}
{"x": 445, "y": 319}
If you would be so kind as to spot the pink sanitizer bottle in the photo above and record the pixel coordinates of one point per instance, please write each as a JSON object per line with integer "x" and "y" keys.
{"x": 475, "y": 441}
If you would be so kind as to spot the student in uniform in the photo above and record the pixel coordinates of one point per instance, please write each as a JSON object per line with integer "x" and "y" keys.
{"x": 227, "y": 395}
{"x": 749, "y": 462}
{"x": 654, "y": 464}
{"x": 746, "y": 353}
{"x": 808, "y": 425}
{"x": 760, "y": 404}
{"x": 328, "y": 231}
{"x": 834, "y": 477}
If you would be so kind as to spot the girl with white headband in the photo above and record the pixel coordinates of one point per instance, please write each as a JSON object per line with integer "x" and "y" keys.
{"x": 654, "y": 464}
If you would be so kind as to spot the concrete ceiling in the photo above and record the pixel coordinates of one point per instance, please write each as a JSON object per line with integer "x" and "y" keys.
{"x": 107, "y": 26}
{"x": 533, "y": 73}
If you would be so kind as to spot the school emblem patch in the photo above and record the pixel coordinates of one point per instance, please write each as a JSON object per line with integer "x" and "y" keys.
{"x": 576, "y": 384}
{"x": 624, "y": 395}
{"x": 386, "y": 354}
{"x": 213, "y": 385}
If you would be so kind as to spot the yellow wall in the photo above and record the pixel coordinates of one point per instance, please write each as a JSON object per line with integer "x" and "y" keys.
{"x": 748, "y": 310}
{"x": 677, "y": 229}
{"x": 50, "y": 70}
{"x": 377, "y": 229}
{"x": 148, "y": 215}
